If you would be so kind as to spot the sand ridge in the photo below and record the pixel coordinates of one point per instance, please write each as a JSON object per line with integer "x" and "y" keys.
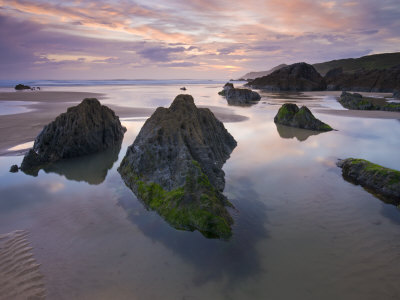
{"x": 19, "y": 271}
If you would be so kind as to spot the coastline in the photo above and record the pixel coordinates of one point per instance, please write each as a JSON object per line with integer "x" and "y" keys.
{"x": 45, "y": 106}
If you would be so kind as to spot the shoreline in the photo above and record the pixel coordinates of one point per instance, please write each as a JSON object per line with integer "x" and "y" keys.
{"x": 45, "y": 106}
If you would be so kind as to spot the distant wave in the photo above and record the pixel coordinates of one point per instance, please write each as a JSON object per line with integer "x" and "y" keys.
{"x": 12, "y": 83}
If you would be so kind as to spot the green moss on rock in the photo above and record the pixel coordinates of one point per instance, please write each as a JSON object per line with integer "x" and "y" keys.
{"x": 384, "y": 182}
{"x": 290, "y": 115}
{"x": 197, "y": 205}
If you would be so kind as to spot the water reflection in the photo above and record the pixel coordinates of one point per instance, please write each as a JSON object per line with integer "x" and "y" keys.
{"x": 92, "y": 168}
{"x": 287, "y": 132}
{"x": 235, "y": 260}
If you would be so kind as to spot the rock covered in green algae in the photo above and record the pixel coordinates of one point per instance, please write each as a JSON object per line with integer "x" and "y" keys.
{"x": 84, "y": 129}
{"x": 358, "y": 102}
{"x": 290, "y": 115}
{"x": 175, "y": 167}
{"x": 382, "y": 181}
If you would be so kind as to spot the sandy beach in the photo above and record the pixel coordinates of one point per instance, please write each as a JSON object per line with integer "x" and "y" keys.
{"x": 44, "y": 106}
{"x": 19, "y": 271}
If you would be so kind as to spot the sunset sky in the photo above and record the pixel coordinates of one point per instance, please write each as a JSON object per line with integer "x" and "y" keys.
{"x": 218, "y": 39}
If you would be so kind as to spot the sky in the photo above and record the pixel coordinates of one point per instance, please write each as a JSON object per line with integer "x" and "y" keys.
{"x": 186, "y": 39}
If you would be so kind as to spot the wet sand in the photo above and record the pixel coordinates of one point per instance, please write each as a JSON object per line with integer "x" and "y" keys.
{"x": 19, "y": 271}
{"x": 374, "y": 114}
{"x": 16, "y": 129}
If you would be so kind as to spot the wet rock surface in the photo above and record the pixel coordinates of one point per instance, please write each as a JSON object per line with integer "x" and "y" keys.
{"x": 295, "y": 77}
{"x": 239, "y": 97}
{"x": 385, "y": 81}
{"x": 290, "y": 115}
{"x": 175, "y": 167}
{"x": 84, "y": 129}
{"x": 383, "y": 182}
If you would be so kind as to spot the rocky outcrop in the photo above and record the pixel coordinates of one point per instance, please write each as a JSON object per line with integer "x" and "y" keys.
{"x": 382, "y": 181}
{"x": 254, "y": 75}
{"x": 295, "y": 77}
{"x": 239, "y": 97}
{"x": 174, "y": 167}
{"x": 290, "y": 115}
{"x": 386, "y": 80}
{"x": 358, "y": 102}
{"x": 20, "y": 87}
{"x": 84, "y": 129}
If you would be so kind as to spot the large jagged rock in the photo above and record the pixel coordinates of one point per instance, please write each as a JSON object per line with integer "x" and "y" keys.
{"x": 382, "y": 181}
{"x": 290, "y": 115}
{"x": 84, "y": 129}
{"x": 174, "y": 167}
{"x": 385, "y": 81}
{"x": 236, "y": 96}
{"x": 358, "y": 102}
{"x": 295, "y": 77}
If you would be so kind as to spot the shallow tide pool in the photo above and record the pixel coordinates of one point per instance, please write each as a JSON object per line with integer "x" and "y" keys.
{"x": 300, "y": 232}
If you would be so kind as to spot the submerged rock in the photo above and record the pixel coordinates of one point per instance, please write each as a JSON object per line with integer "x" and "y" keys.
{"x": 14, "y": 169}
{"x": 175, "y": 167}
{"x": 380, "y": 180}
{"x": 290, "y": 115}
{"x": 20, "y": 87}
{"x": 295, "y": 77}
{"x": 358, "y": 102}
{"x": 84, "y": 129}
{"x": 236, "y": 96}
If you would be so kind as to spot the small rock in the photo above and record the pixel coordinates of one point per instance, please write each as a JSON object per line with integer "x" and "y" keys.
{"x": 290, "y": 115}
{"x": 20, "y": 87}
{"x": 14, "y": 169}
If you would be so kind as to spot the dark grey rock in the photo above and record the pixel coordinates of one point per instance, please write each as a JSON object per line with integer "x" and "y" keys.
{"x": 84, "y": 129}
{"x": 290, "y": 115}
{"x": 236, "y": 96}
{"x": 20, "y": 87}
{"x": 383, "y": 182}
{"x": 14, "y": 169}
{"x": 384, "y": 80}
{"x": 295, "y": 77}
{"x": 175, "y": 167}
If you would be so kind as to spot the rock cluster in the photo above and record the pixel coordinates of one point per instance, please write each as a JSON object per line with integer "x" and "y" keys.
{"x": 382, "y": 181}
{"x": 84, "y": 129}
{"x": 290, "y": 115}
{"x": 295, "y": 77}
{"x": 236, "y": 96}
{"x": 175, "y": 167}
{"x": 358, "y": 102}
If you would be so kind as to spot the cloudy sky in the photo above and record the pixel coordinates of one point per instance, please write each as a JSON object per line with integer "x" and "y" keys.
{"x": 216, "y": 39}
